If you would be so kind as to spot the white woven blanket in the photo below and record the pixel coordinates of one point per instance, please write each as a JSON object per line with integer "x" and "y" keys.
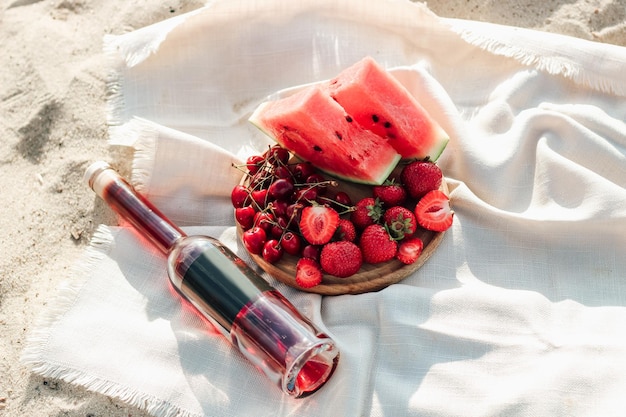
{"x": 520, "y": 312}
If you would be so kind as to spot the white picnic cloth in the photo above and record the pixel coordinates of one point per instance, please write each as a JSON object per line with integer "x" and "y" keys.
{"x": 521, "y": 311}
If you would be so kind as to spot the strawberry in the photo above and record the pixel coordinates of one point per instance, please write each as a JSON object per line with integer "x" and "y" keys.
{"x": 433, "y": 211}
{"x": 420, "y": 177}
{"x": 318, "y": 224}
{"x": 390, "y": 193}
{"x": 409, "y": 250}
{"x": 376, "y": 244}
{"x": 400, "y": 222}
{"x": 367, "y": 211}
{"x": 308, "y": 273}
{"x": 341, "y": 259}
{"x": 345, "y": 230}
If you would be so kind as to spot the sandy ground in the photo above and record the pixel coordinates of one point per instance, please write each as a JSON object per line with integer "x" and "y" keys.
{"x": 52, "y": 125}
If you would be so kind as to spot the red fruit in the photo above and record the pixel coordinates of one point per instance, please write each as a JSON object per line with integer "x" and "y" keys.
{"x": 343, "y": 199}
{"x": 272, "y": 251}
{"x": 341, "y": 259}
{"x": 277, "y": 155}
{"x": 306, "y": 195}
{"x": 302, "y": 170}
{"x": 400, "y": 222}
{"x": 345, "y": 230}
{"x": 318, "y": 224}
{"x": 433, "y": 211}
{"x": 265, "y": 220}
{"x": 376, "y": 244}
{"x": 254, "y": 163}
{"x": 239, "y": 196}
{"x": 279, "y": 208}
{"x": 254, "y": 239}
{"x": 409, "y": 250}
{"x": 308, "y": 273}
{"x": 390, "y": 193}
{"x": 291, "y": 243}
{"x": 245, "y": 216}
{"x": 420, "y": 177}
{"x": 367, "y": 212}
{"x": 312, "y": 252}
{"x": 260, "y": 197}
{"x": 282, "y": 172}
{"x": 281, "y": 189}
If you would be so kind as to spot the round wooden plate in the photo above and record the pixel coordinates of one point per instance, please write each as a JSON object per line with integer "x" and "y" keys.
{"x": 370, "y": 277}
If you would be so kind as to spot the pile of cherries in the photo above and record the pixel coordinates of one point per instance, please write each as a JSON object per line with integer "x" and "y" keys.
{"x": 269, "y": 201}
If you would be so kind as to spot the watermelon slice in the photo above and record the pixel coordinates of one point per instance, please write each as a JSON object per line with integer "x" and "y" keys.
{"x": 315, "y": 128}
{"x": 378, "y": 102}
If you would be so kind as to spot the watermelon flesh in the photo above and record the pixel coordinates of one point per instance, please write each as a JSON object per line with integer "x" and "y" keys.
{"x": 378, "y": 102}
{"x": 314, "y": 127}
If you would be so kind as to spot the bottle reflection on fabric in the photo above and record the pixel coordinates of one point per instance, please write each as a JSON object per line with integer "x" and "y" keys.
{"x": 260, "y": 322}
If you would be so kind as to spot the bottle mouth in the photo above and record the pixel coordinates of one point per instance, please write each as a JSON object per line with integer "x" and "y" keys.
{"x": 311, "y": 370}
{"x": 92, "y": 171}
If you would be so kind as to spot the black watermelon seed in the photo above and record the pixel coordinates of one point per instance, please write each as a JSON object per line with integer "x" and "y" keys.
{"x": 375, "y": 118}
{"x": 387, "y": 125}
{"x": 317, "y": 148}
{"x": 338, "y": 135}
{"x": 349, "y": 119}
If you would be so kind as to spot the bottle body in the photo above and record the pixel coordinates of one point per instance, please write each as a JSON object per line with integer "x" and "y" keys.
{"x": 257, "y": 319}
{"x": 264, "y": 326}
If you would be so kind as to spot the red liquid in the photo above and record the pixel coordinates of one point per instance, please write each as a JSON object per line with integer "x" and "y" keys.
{"x": 280, "y": 341}
{"x": 141, "y": 214}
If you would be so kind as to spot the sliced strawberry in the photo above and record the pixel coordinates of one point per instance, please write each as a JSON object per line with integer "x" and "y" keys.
{"x": 409, "y": 250}
{"x": 433, "y": 211}
{"x": 308, "y": 273}
{"x": 318, "y": 224}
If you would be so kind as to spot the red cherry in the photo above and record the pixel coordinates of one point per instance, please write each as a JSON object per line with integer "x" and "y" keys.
{"x": 254, "y": 239}
{"x": 245, "y": 216}
{"x": 302, "y": 170}
{"x": 239, "y": 196}
{"x": 281, "y": 189}
{"x": 254, "y": 163}
{"x": 278, "y": 228}
{"x": 307, "y": 194}
{"x": 272, "y": 251}
{"x": 260, "y": 198}
{"x": 343, "y": 199}
{"x": 291, "y": 243}
{"x": 282, "y": 172}
{"x": 318, "y": 180}
{"x": 277, "y": 155}
{"x": 279, "y": 208}
{"x": 264, "y": 220}
{"x": 311, "y": 251}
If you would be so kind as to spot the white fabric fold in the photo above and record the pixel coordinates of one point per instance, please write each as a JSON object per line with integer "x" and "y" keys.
{"x": 519, "y": 312}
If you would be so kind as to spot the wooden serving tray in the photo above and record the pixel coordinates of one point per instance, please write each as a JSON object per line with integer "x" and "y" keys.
{"x": 370, "y": 277}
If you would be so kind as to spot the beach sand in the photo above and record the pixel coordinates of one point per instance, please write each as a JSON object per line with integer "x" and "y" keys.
{"x": 53, "y": 124}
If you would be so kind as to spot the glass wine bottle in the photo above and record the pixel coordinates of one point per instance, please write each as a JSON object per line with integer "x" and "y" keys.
{"x": 261, "y": 323}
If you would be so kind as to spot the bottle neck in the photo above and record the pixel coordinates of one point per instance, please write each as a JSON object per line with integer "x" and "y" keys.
{"x": 132, "y": 206}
